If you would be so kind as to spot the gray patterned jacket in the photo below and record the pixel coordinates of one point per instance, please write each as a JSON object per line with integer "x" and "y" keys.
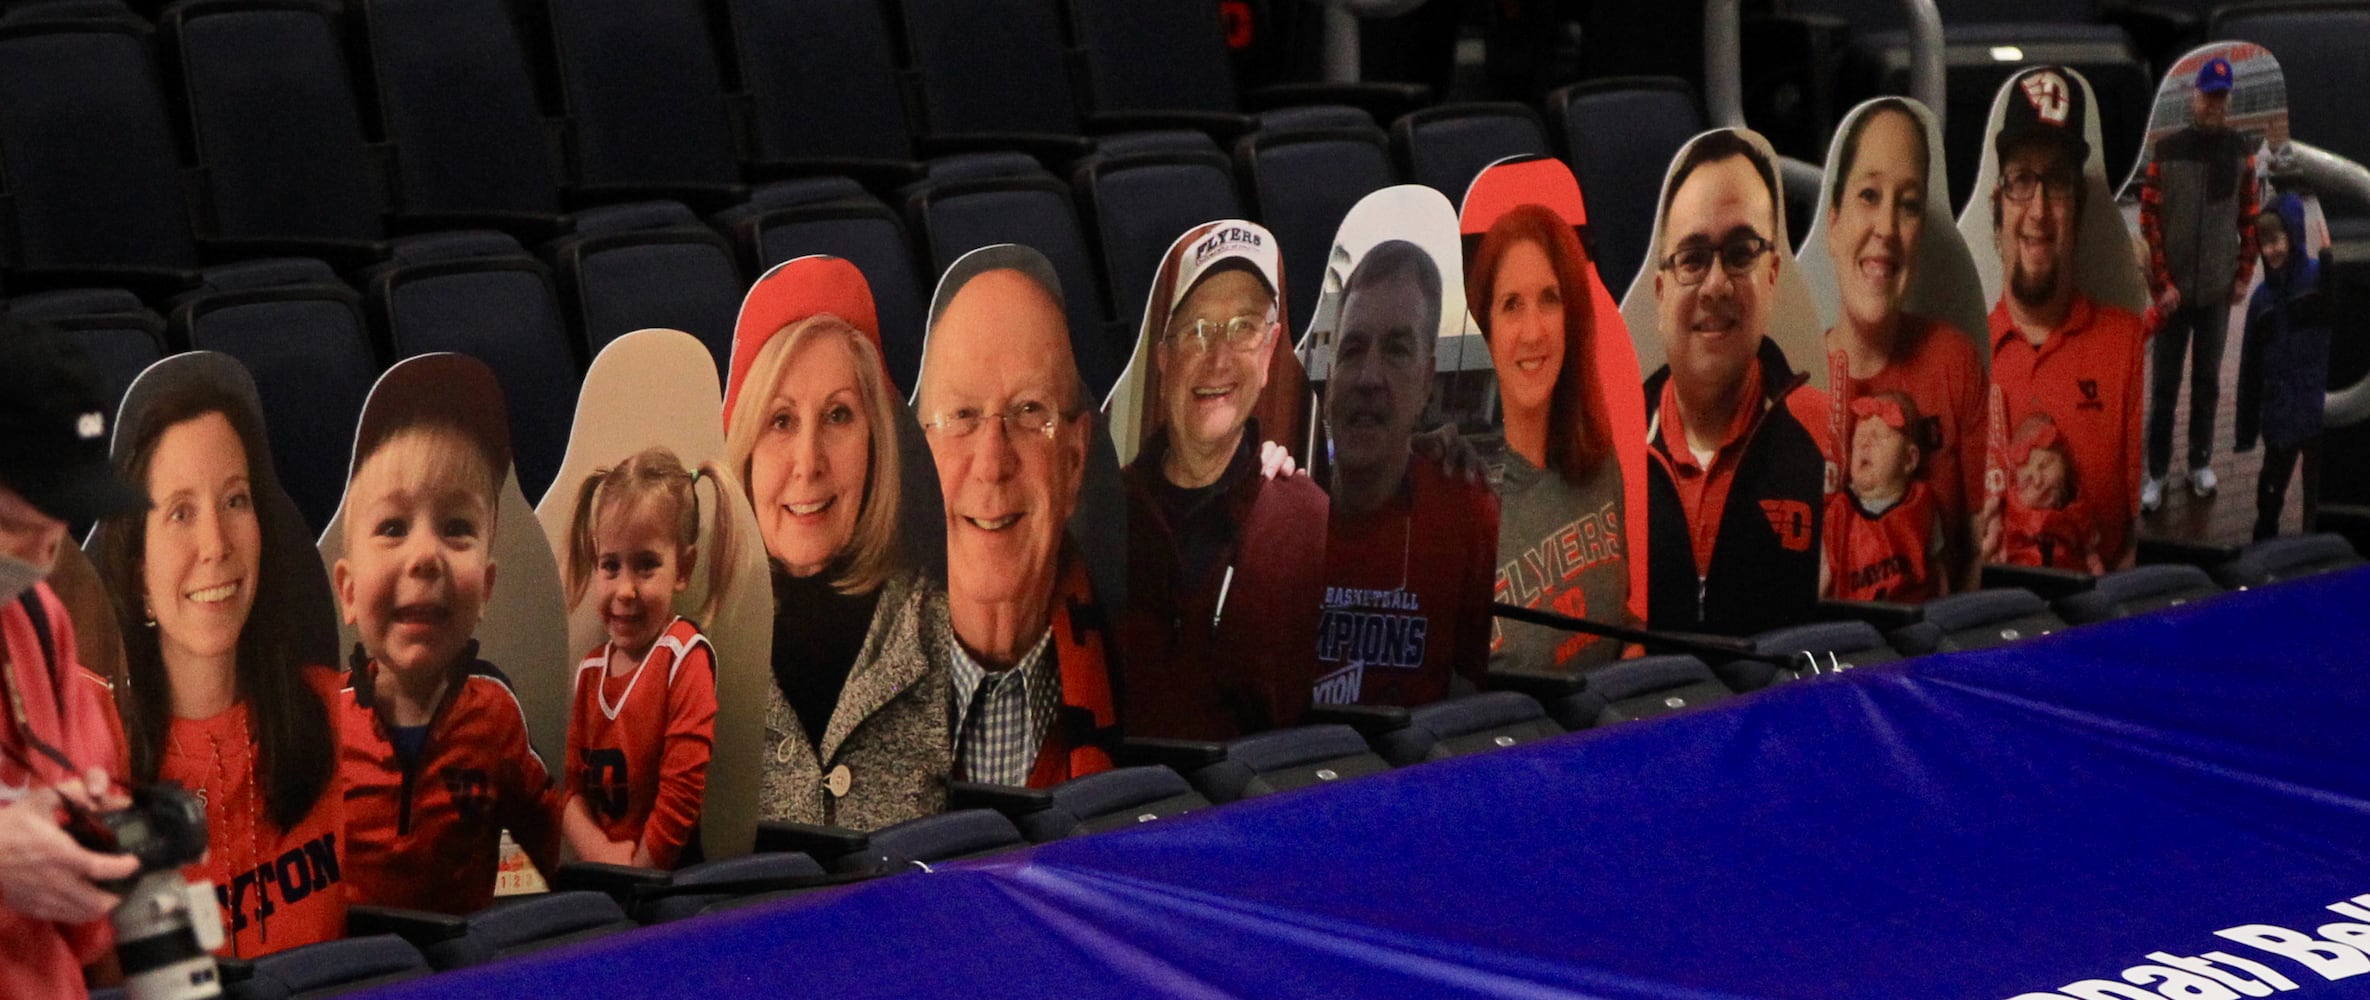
{"x": 885, "y": 755}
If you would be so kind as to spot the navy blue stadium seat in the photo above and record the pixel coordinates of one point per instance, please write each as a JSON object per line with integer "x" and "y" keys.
{"x": 644, "y": 96}
{"x": 88, "y": 160}
{"x": 481, "y": 294}
{"x": 513, "y": 925}
{"x": 993, "y": 73}
{"x": 1111, "y": 800}
{"x": 275, "y": 125}
{"x": 746, "y": 868}
{"x": 1654, "y": 686}
{"x": 1313, "y": 116}
{"x": 648, "y": 264}
{"x": 952, "y": 219}
{"x": 1301, "y": 184}
{"x": 1156, "y": 58}
{"x": 323, "y": 969}
{"x": 120, "y": 336}
{"x": 1138, "y": 205}
{"x": 1978, "y": 619}
{"x": 823, "y": 86}
{"x": 2275, "y": 559}
{"x": 1462, "y": 725}
{"x": 1620, "y": 135}
{"x": 1284, "y": 759}
{"x": 2136, "y": 591}
{"x": 300, "y": 332}
{"x": 456, "y": 101}
{"x": 2319, "y": 48}
{"x": 1831, "y": 647}
{"x": 1169, "y": 140}
{"x": 865, "y": 233}
{"x": 1444, "y": 147}
{"x": 45, "y": 10}
{"x": 948, "y": 836}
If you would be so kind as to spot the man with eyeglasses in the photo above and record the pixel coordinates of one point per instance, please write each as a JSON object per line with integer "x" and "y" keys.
{"x": 1006, "y": 415}
{"x": 2197, "y": 210}
{"x": 60, "y": 740}
{"x": 1411, "y": 554}
{"x": 1736, "y": 478}
{"x": 1225, "y": 566}
{"x": 2055, "y": 352}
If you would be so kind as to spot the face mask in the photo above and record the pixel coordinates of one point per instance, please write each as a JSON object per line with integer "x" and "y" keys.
{"x": 16, "y": 577}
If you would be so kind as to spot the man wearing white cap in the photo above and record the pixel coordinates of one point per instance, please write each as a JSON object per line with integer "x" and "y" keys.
{"x": 1225, "y": 567}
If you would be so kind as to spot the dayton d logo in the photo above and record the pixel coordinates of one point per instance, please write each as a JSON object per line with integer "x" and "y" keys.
{"x": 2050, "y": 97}
{"x": 1791, "y": 520}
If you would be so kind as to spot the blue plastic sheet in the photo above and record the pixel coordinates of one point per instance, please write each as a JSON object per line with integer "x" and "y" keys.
{"x": 2033, "y": 820}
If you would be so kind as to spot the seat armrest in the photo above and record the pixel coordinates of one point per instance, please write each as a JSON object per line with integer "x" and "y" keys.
{"x": 2050, "y": 584}
{"x": 1884, "y": 615}
{"x": 617, "y": 882}
{"x": 1369, "y": 720}
{"x": 819, "y": 841}
{"x": 1181, "y": 756}
{"x": 1011, "y": 800}
{"x": 419, "y": 927}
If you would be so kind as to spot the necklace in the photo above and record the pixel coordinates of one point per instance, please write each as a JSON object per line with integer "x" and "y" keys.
{"x": 229, "y": 761}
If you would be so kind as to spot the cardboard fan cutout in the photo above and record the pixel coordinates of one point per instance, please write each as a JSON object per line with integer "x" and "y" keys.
{"x": 223, "y": 562}
{"x": 2067, "y": 332}
{"x": 2214, "y": 160}
{"x": 648, "y": 687}
{"x": 433, "y": 436}
{"x": 1570, "y": 424}
{"x": 1225, "y": 565}
{"x": 1906, "y": 356}
{"x": 1729, "y": 341}
{"x": 1034, "y": 527}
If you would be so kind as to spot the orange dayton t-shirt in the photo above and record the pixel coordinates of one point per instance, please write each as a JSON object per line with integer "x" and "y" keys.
{"x": 278, "y": 888}
{"x": 638, "y": 744}
{"x": 2086, "y": 377}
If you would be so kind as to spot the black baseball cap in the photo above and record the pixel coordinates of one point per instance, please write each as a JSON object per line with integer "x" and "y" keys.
{"x": 54, "y": 427}
{"x": 2047, "y": 105}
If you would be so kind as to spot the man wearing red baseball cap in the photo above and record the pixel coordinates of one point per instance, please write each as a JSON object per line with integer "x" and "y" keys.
{"x": 2197, "y": 210}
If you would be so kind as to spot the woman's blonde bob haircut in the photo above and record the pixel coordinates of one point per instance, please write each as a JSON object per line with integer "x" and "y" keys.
{"x": 871, "y": 556}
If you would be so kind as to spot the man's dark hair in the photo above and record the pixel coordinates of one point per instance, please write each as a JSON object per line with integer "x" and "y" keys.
{"x": 1401, "y": 261}
{"x": 1716, "y": 147}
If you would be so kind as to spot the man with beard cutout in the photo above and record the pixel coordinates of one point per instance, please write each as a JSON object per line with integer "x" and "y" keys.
{"x": 2054, "y": 350}
{"x": 1410, "y": 554}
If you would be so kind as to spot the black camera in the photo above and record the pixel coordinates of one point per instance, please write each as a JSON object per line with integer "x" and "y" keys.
{"x": 165, "y": 929}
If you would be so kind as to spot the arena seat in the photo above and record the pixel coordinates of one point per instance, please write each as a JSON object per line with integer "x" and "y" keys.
{"x": 455, "y": 100}
{"x": 1313, "y": 116}
{"x": 947, "y": 836}
{"x": 867, "y": 234}
{"x": 643, "y": 90}
{"x": 1285, "y": 759}
{"x": 1566, "y": 698}
{"x": 1302, "y": 183}
{"x": 1832, "y": 646}
{"x": 824, "y": 93}
{"x": 512, "y": 925}
{"x": 299, "y": 331}
{"x": 2275, "y": 559}
{"x": 1650, "y": 687}
{"x": 1462, "y": 725}
{"x": 2138, "y": 590}
{"x": 1138, "y": 205}
{"x": 1106, "y": 800}
{"x": 481, "y": 294}
{"x": 94, "y": 189}
{"x": 656, "y": 897}
{"x": 652, "y": 264}
{"x": 275, "y": 127}
{"x": 950, "y": 220}
{"x": 992, "y": 76}
{"x": 119, "y": 335}
{"x": 324, "y": 969}
{"x": 1978, "y": 619}
{"x": 1446, "y": 146}
{"x": 1620, "y": 135}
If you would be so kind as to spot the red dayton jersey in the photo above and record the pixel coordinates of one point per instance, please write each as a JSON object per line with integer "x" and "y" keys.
{"x": 278, "y": 888}
{"x": 428, "y": 836}
{"x": 2086, "y": 377}
{"x": 1888, "y": 556}
{"x": 1937, "y": 367}
{"x": 638, "y": 745}
{"x": 1407, "y": 592}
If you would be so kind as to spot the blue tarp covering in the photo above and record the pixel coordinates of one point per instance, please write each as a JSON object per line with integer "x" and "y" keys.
{"x": 1981, "y": 825}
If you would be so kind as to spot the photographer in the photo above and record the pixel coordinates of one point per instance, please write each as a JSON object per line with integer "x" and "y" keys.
{"x": 59, "y": 743}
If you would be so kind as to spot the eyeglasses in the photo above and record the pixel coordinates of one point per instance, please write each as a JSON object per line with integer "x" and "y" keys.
{"x": 1025, "y": 417}
{"x": 2022, "y": 185}
{"x": 1238, "y": 334}
{"x": 1692, "y": 264}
